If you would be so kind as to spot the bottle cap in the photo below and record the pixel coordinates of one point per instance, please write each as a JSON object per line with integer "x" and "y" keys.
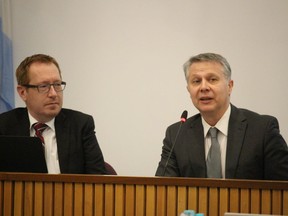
{"x": 189, "y": 212}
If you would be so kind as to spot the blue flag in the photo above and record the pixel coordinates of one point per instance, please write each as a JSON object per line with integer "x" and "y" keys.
{"x": 7, "y": 99}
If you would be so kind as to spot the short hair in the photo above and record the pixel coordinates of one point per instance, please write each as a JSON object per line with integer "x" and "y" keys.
{"x": 208, "y": 57}
{"x": 23, "y": 69}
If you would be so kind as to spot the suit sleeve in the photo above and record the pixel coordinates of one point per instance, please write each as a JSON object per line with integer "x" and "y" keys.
{"x": 93, "y": 157}
{"x": 168, "y": 164}
{"x": 276, "y": 153}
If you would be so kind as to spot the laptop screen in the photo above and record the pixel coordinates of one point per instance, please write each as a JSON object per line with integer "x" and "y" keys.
{"x": 22, "y": 154}
{"x": 246, "y": 214}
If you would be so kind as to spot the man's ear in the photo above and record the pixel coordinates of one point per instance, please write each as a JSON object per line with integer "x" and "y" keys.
{"x": 230, "y": 85}
{"x": 22, "y": 92}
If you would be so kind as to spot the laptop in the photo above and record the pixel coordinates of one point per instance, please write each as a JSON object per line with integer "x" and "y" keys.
{"x": 246, "y": 214}
{"x": 22, "y": 154}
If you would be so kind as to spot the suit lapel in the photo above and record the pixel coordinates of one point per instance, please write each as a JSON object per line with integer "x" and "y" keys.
{"x": 22, "y": 128}
{"x": 62, "y": 137}
{"x": 236, "y": 134}
{"x": 195, "y": 140}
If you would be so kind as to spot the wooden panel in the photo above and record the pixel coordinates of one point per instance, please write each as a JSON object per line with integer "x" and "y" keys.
{"x": 109, "y": 199}
{"x": 284, "y": 203}
{"x": 18, "y": 200}
{"x": 203, "y": 200}
{"x": 28, "y": 198}
{"x": 161, "y": 201}
{"x": 234, "y": 201}
{"x": 255, "y": 201}
{"x": 244, "y": 200}
{"x": 130, "y": 200}
{"x": 48, "y": 198}
{"x": 224, "y": 201}
{"x": 213, "y": 202}
{"x": 140, "y": 200}
{"x": 58, "y": 199}
{"x": 99, "y": 200}
{"x": 193, "y": 198}
{"x": 39, "y": 200}
{"x": 266, "y": 202}
{"x": 8, "y": 198}
{"x": 88, "y": 199}
{"x": 150, "y": 200}
{"x": 1, "y": 197}
{"x": 276, "y": 202}
{"x": 68, "y": 199}
{"x": 78, "y": 199}
{"x": 182, "y": 199}
{"x": 119, "y": 200}
{"x": 171, "y": 201}
{"x": 71, "y": 195}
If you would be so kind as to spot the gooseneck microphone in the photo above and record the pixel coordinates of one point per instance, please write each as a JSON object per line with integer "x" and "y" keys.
{"x": 182, "y": 120}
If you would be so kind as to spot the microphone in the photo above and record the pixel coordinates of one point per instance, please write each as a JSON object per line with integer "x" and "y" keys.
{"x": 183, "y": 119}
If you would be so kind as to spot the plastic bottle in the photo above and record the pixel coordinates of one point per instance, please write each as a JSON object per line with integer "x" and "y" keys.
{"x": 188, "y": 213}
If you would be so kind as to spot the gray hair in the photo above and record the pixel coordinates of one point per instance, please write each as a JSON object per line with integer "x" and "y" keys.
{"x": 208, "y": 57}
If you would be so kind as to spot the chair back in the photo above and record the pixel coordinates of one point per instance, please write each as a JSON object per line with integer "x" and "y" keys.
{"x": 109, "y": 169}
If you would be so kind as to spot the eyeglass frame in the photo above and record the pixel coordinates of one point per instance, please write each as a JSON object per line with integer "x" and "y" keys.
{"x": 62, "y": 84}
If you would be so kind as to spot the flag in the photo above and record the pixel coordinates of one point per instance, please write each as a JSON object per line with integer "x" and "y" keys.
{"x": 7, "y": 100}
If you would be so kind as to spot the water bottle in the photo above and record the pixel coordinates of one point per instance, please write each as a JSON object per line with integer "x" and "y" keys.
{"x": 188, "y": 213}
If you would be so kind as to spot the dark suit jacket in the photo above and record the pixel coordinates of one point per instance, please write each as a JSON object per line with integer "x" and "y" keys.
{"x": 255, "y": 148}
{"x": 78, "y": 149}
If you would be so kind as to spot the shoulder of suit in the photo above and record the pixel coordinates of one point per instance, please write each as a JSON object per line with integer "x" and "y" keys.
{"x": 254, "y": 115}
{"x": 189, "y": 120}
{"x": 19, "y": 110}
{"x": 194, "y": 117}
{"x": 69, "y": 112}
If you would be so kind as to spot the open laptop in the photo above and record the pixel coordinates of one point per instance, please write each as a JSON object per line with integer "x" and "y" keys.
{"x": 246, "y": 214}
{"x": 22, "y": 154}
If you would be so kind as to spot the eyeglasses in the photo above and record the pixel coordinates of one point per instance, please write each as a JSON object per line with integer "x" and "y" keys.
{"x": 44, "y": 88}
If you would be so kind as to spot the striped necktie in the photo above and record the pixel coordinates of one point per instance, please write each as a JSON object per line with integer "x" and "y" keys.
{"x": 39, "y": 128}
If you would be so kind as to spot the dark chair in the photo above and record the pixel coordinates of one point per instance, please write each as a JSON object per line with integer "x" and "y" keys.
{"x": 109, "y": 169}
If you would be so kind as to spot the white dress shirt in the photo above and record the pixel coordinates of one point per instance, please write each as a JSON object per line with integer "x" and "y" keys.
{"x": 51, "y": 153}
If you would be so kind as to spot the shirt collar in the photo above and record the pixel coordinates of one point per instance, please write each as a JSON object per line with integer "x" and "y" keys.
{"x": 49, "y": 123}
{"x": 222, "y": 124}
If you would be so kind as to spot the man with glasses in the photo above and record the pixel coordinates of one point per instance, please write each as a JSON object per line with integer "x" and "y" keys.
{"x": 68, "y": 136}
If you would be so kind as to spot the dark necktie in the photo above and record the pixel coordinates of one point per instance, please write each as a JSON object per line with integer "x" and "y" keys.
{"x": 39, "y": 128}
{"x": 213, "y": 163}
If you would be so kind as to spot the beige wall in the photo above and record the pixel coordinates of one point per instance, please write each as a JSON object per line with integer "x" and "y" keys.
{"x": 123, "y": 60}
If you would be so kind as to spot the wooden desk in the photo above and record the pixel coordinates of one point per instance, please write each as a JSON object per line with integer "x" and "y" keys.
{"x": 24, "y": 194}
